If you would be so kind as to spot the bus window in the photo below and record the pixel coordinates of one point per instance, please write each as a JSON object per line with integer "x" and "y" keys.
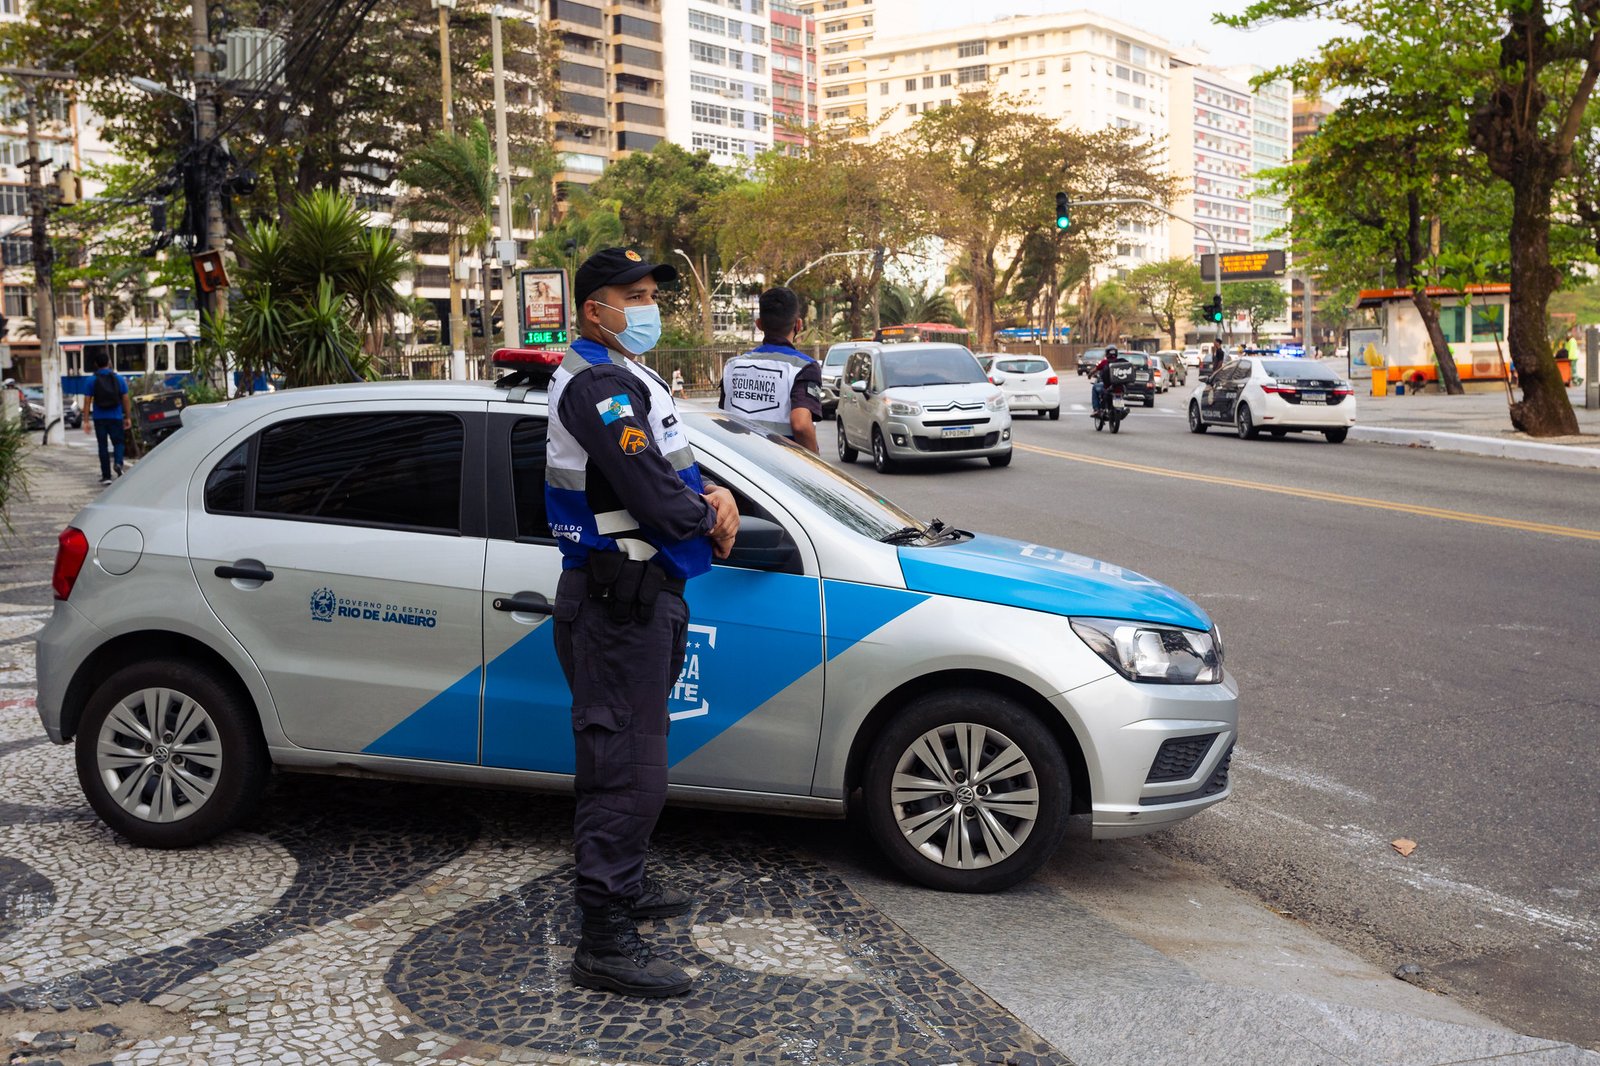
{"x": 131, "y": 358}
{"x": 160, "y": 351}
{"x": 921, "y": 331}
{"x": 184, "y": 356}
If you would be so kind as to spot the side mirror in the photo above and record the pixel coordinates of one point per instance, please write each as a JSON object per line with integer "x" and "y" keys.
{"x": 859, "y": 386}
{"x": 763, "y": 545}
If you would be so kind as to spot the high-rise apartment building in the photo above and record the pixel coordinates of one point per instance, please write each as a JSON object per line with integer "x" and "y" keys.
{"x": 612, "y": 83}
{"x": 1212, "y": 152}
{"x": 718, "y": 57}
{"x": 845, "y": 29}
{"x": 1272, "y": 147}
{"x": 794, "y": 74}
{"x": 1309, "y": 115}
{"x": 1080, "y": 68}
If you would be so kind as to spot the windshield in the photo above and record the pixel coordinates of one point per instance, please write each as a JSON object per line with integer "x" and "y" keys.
{"x": 1135, "y": 357}
{"x": 1297, "y": 369}
{"x": 837, "y": 356}
{"x": 951, "y": 365}
{"x": 841, "y": 497}
{"x": 1024, "y": 366}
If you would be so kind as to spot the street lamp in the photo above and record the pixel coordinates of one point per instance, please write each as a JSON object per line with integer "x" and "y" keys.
{"x": 155, "y": 88}
{"x": 830, "y": 255}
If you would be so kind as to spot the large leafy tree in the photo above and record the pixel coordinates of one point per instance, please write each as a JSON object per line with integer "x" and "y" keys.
{"x": 1168, "y": 292}
{"x": 986, "y": 170}
{"x": 1520, "y": 76}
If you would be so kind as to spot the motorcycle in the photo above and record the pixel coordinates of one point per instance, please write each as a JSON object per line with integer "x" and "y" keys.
{"x": 1113, "y": 407}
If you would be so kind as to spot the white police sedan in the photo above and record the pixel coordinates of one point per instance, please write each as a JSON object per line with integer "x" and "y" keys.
{"x": 356, "y": 579}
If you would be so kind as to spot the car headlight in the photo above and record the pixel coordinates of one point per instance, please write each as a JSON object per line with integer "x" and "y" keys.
{"x": 904, "y": 407}
{"x": 1163, "y": 655}
{"x": 997, "y": 402}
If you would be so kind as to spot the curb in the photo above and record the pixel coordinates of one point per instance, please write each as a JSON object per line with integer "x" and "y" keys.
{"x": 1495, "y": 447}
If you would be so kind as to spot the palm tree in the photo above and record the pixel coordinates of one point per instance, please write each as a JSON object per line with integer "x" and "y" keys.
{"x": 900, "y": 304}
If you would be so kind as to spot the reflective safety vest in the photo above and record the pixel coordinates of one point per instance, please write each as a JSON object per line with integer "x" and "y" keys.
{"x": 585, "y": 517}
{"x": 757, "y": 386}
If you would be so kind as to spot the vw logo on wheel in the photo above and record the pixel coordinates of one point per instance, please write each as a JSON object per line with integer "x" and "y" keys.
{"x": 964, "y": 794}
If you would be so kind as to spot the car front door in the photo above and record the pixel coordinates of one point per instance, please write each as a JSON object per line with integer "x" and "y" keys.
{"x": 1211, "y": 397}
{"x": 746, "y": 712}
{"x": 345, "y": 552}
{"x": 852, "y": 404}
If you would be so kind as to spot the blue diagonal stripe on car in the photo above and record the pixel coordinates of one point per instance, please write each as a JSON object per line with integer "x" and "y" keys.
{"x": 445, "y": 728}
{"x": 855, "y": 612}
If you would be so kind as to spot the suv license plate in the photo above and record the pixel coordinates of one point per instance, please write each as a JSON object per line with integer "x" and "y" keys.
{"x": 957, "y": 431}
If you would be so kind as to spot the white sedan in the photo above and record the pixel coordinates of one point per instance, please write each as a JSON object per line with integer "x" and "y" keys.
{"x": 1029, "y": 382}
{"x": 1281, "y": 396}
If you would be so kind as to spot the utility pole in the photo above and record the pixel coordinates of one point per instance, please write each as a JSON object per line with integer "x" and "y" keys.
{"x": 205, "y": 110}
{"x": 510, "y": 304}
{"x": 458, "y": 325}
{"x": 44, "y": 297}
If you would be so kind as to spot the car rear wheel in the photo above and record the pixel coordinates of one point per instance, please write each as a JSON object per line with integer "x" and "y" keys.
{"x": 168, "y": 755}
{"x": 880, "y": 453}
{"x": 1196, "y": 423}
{"x": 1055, "y": 413}
{"x": 1247, "y": 429}
{"x": 847, "y": 454}
{"x": 966, "y": 791}
{"x": 1150, "y": 399}
{"x": 1337, "y": 436}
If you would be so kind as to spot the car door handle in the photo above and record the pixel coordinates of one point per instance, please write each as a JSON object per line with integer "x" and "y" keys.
{"x": 245, "y": 570}
{"x": 524, "y": 603}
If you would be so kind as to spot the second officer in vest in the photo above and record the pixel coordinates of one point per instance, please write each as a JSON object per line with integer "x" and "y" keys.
{"x": 635, "y": 521}
{"x": 777, "y": 386}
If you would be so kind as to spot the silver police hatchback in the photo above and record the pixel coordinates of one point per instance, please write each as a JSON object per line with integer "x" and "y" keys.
{"x": 356, "y": 579}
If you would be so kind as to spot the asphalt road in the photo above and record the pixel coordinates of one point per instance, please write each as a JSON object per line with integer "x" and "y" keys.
{"x": 1414, "y": 635}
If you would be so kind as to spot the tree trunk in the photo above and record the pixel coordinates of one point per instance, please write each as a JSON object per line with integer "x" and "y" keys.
{"x": 983, "y": 299}
{"x": 1544, "y": 410}
{"x": 1448, "y": 376}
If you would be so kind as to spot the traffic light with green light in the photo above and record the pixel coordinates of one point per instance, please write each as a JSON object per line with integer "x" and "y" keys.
{"x": 1063, "y": 217}
{"x": 1216, "y": 308}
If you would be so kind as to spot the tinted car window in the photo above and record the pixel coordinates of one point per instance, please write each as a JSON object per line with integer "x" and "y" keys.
{"x": 1023, "y": 366}
{"x": 528, "y": 440}
{"x": 930, "y": 366}
{"x": 228, "y": 483}
{"x": 370, "y": 469}
{"x": 836, "y": 356}
{"x": 1298, "y": 369}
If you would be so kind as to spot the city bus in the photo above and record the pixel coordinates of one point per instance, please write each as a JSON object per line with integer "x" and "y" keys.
{"x": 922, "y": 331}
{"x": 134, "y": 354}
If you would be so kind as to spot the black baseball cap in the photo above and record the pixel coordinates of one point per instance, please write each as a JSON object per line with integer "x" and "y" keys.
{"x": 616, "y": 266}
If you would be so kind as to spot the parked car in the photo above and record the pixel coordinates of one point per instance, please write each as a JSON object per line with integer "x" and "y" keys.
{"x": 1029, "y": 382}
{"x": 358, "y": 579}
{"x": 926, "y": 400}
{"x": 832, "y": 366}
{"x": 1172, "y": 363}
{"x": 1281, "y": 396}
{"x": 71, "y": 408}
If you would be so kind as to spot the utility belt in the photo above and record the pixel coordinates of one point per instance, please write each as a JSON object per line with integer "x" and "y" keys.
{"x": 628, "y": 587}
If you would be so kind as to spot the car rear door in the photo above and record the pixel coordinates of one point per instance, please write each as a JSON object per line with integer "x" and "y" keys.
{"x": 344, "y": 550}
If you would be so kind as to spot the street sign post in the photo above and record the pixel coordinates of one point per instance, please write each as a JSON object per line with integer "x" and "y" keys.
{"x": 1245, "y": 266}
{"x": 546, "y": 321}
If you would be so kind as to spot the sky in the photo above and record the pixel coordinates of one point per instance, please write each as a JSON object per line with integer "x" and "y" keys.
{"x": 1180, "y": 21}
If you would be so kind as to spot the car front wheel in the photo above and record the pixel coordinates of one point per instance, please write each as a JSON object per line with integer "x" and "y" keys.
{"x": 880, "y": 453}
{"x": 966, "y": 791}
{"x": 169, "y": 756}
{"x": 1000, "y": 460}
{"x": 847, "y": 454}
{"x": 1196, "y": 423}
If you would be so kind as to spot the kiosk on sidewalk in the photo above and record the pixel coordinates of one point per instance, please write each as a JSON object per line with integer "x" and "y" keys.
{"x": 1473, "y": 321}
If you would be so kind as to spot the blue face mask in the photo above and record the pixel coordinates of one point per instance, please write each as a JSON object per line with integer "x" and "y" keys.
{"x": 643, "y": 331}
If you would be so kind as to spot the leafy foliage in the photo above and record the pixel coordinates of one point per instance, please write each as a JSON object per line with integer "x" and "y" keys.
{"x": 1167, "y": 290}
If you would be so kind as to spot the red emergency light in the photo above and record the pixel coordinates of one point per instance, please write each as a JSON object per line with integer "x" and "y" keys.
{"x": 528, "y": 366}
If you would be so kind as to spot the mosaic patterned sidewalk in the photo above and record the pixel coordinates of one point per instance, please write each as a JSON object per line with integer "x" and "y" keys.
{"x": 369, "y": 922}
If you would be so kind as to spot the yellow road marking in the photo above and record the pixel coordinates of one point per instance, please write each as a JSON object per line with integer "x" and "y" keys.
{"x": 1324, "y": 497}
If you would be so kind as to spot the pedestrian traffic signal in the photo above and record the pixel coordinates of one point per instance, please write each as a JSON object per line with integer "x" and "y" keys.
{"x": 1063, "y": 216}
{"x": 1216, "y": 308}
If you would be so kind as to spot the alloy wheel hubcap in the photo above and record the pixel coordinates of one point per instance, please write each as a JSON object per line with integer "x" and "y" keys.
{"x": 965, "y": 796}
{"x": 158, "y": 755}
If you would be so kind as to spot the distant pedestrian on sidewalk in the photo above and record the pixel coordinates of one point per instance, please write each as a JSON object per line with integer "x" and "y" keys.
{"x": 107, "y": 410}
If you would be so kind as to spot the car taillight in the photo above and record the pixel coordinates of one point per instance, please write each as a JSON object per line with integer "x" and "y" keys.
{"x": 1281, "y": 390}
{"x": 1344, "y": 390}
{"x": 1051, "y": 380}
{"x": 71, "y": 552}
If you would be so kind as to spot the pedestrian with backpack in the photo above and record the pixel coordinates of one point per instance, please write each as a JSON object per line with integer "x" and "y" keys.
{"x": 108, "y": 410}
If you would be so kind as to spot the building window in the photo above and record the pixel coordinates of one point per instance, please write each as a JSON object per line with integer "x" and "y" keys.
{"x": 911, "y": 85}
{"x": 13, "y": 199}
{"x": 967, "y": 49}
{"x": 969, "y": 75}
{"x": 945, "y": 79}
{"x": 16, "y": 251}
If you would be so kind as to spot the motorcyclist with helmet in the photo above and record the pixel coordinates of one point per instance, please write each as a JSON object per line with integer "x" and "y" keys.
{"x": 1101, "y": 376}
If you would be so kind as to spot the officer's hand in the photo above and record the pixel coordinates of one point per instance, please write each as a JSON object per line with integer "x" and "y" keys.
{"x": 726, "y": 527}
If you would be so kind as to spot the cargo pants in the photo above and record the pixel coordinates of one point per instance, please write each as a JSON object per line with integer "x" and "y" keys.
{"x": 621, "y": 675}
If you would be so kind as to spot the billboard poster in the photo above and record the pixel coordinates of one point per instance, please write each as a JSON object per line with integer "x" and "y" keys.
{"x": 545, "y": 308}
{"x": 1363, "y": 346}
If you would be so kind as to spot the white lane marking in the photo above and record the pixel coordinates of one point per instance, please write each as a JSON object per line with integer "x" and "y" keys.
{"x": 1297, "y": 776}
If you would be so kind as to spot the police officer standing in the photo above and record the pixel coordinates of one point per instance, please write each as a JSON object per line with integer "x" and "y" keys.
{"x": 776, "y": 386}
{"x": 635, "y": 522}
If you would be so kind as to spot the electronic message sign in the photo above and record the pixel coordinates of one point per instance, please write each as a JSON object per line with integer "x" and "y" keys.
{"x": 1245, "y": 266}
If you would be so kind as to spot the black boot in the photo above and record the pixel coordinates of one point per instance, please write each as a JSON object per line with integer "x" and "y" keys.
{"x": 657, "y": 900}
{"x": 611, "y": 956}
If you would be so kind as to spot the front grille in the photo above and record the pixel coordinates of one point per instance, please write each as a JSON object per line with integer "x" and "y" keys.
{"x": 953, "y": 405}
{"x": 956, "y": 421}
{"x": 955, "y": 444}
{"x": 1217, "y": 782}
{"x": 1177, "y": 758}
